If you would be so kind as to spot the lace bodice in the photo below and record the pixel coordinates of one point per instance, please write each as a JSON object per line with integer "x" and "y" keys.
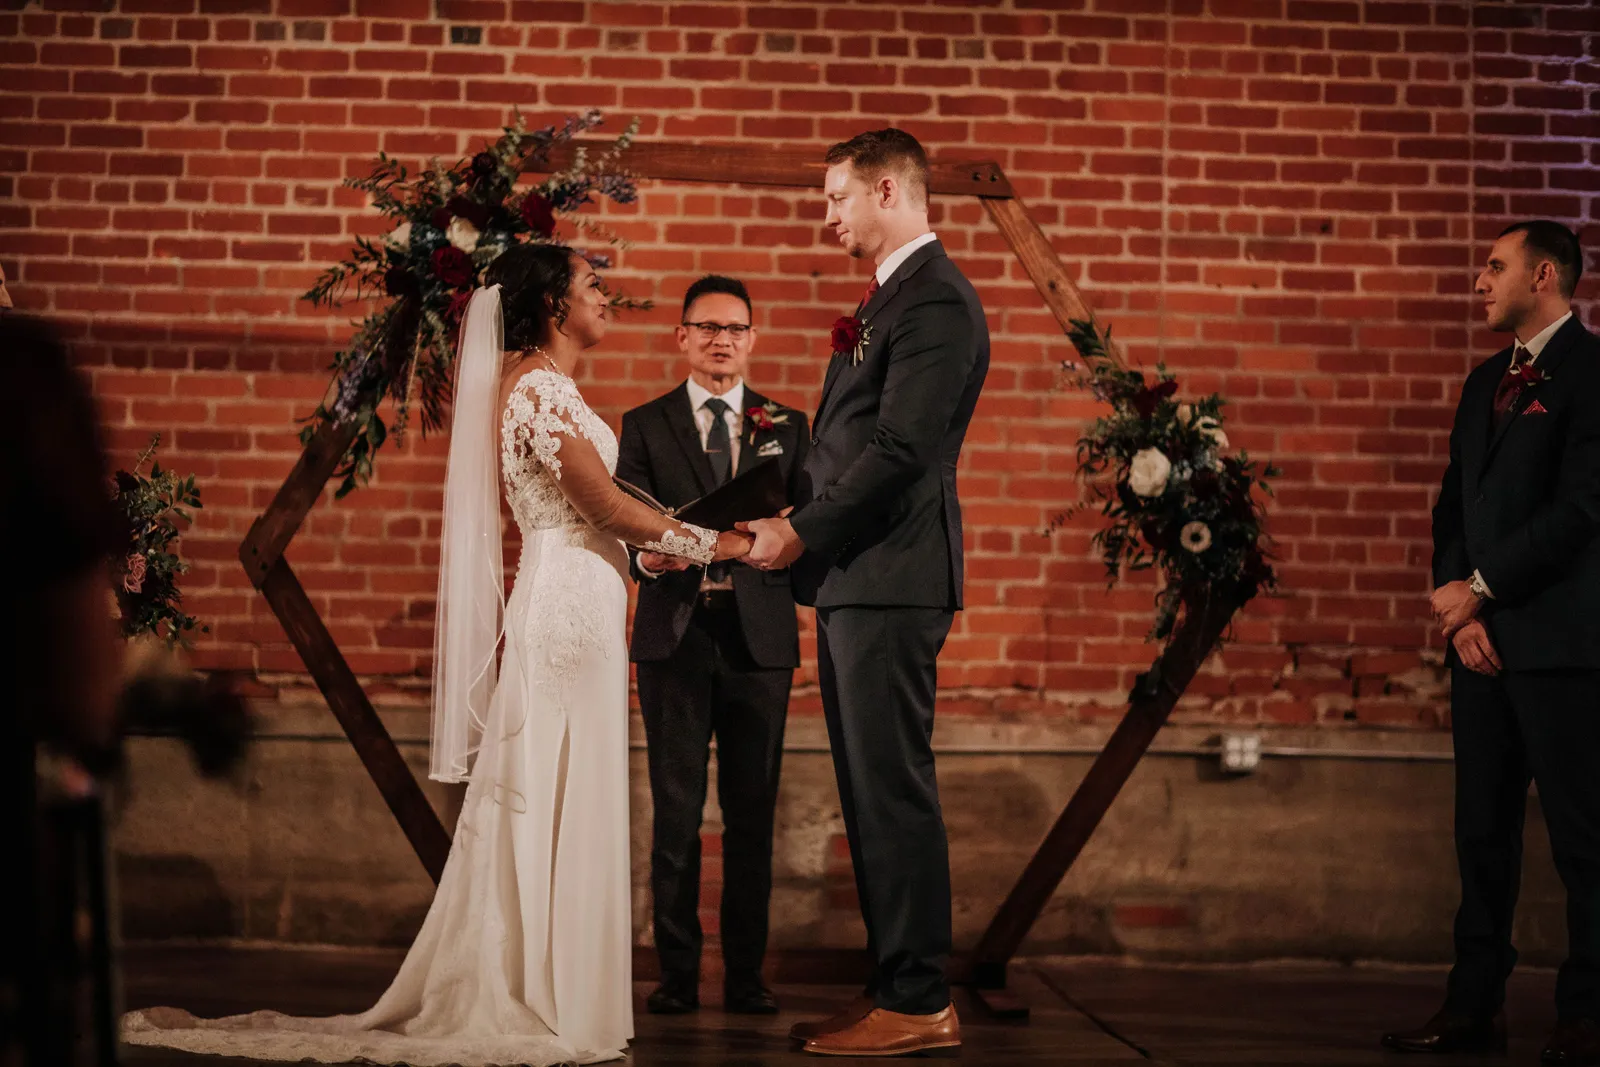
{"x": 556, "y": 461}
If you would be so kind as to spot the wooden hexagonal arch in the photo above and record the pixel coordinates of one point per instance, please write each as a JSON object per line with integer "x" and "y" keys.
{"x": 262, "y": 553}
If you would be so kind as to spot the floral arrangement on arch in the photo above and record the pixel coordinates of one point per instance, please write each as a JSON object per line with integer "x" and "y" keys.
{"x": 1174, "y": 495}
{"x": 146, "y": 581}
{"x": 449, "y": 225}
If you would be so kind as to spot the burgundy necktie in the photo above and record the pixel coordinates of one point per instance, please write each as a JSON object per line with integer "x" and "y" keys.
{"x": 1511, "y": 386}
{"x": 872, "y": 287}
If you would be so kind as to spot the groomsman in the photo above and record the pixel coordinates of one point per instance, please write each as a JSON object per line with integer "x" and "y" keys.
{"x": 716, "y": 650}
{"x": 1516, "y": 565}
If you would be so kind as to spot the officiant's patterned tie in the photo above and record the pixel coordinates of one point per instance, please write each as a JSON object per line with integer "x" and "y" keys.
{"x": 719, "y": 450}
{"x": 1510, "y": 387}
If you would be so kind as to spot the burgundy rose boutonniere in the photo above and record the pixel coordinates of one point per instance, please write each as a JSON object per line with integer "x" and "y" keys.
{"x": 851, "y": 335}
{"x": 764, "y": 417}
{"x": 1527, "y": 374}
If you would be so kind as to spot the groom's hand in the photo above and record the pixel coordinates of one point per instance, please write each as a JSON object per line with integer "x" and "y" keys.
{"x": 1475, "y": 649}
{"x": 777, "y": 545}
{"x": 1454, "y": 605}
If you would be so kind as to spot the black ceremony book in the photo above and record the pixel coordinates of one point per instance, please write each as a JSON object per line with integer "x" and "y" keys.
{"x": 758, "y": 493}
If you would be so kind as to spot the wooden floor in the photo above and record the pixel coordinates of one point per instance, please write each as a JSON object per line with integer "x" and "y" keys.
{"x": 1084, "y": 1013}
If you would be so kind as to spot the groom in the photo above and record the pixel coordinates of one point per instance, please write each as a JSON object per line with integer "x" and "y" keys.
{"x": 876, "y": 546}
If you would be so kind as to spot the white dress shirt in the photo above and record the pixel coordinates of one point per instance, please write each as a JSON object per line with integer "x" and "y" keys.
{"x": 1533, "y": 346}
{"x": 1536, "y": 343}
{"x": 734, "y": 398}
{"x": 892, "y": 261}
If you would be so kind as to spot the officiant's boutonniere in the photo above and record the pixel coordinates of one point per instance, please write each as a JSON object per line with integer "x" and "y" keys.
{"x": 764, "y": 417}
{"x": 851, "y": 335}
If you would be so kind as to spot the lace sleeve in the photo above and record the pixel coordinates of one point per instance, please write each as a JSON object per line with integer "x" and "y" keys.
{"x": 546, "y": 415}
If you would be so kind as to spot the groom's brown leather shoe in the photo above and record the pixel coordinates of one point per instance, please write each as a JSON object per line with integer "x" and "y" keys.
{"x": 889, "y": 1033}
{"x": 853, "y": 1013}
{"x": 1452, "y": 1033}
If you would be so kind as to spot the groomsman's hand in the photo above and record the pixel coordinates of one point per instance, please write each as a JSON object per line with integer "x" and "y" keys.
{"x": 1476, "y": 650}
{"x": 777, "y": 545}
{"x": 1454, "y": 605}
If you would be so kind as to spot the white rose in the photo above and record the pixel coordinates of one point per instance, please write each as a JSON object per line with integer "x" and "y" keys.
{"x": 1211, "y": 429}
{"x": 1195, "y": 536}
{"x": 463, "y": 234}
{"x": 399, "y": 237}
{"x": 1148, "y": 473}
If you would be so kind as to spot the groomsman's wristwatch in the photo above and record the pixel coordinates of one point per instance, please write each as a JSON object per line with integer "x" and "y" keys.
{"x": 1477, "y": 586}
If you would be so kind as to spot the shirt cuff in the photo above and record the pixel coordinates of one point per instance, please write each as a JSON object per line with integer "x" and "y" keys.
{"x": 1477, "y": 578}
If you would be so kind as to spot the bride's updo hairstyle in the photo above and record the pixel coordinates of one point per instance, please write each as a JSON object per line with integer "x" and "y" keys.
{"x": 534, "y": 280}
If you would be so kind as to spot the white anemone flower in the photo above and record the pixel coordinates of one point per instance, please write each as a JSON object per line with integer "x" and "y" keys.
{"x": 1195, "y": 536}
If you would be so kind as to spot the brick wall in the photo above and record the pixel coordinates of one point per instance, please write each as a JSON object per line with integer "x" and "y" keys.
{"x": 1283, "y": 199}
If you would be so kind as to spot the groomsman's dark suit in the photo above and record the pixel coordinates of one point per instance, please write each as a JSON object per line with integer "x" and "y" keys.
{"x": 711, "y": 663}
{"x": 1520, "y": 504}
{"x": 883, "y": 565}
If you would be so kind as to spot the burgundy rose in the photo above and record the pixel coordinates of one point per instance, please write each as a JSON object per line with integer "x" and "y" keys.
{"x": 484, "y": 164}
{"x": 397, "y": 281}
{"x": 1147, "y": 399}
{"x": 539, "y": 216}
{"x": 846, "y": 333}
{"x": 471, "y": 210}
{"x": 453, "y": 267}
{"x": 440, "y": 218}
{"x": 759, "y": 418}
{"x": 1206, "y": 484}
{"x": 1156, "y": 535}
{"x": 457, "y": 308}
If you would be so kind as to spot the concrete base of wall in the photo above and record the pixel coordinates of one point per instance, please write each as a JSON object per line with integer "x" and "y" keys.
{"x": 1338, "y": 846}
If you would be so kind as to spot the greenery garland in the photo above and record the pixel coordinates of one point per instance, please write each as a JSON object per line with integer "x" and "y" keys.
{"x": 1174, "y": 497}
{"x": 449, "y": 225}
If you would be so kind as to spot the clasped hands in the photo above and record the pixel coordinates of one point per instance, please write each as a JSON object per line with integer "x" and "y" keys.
{"x": 766, "y": 544}
{"x": 1455, "y": 609}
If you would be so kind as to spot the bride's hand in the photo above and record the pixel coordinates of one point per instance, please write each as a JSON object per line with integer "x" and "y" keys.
{"x": 731, "y": 544}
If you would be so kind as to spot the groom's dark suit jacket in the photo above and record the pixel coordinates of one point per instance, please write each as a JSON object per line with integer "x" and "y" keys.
{"x": 660, "y": 452}
{"x": 1521, "y": 505}
{"x": 881, "y": 522}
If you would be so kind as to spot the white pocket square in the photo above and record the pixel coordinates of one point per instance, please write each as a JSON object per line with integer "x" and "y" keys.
{"x": 770, "y": 448}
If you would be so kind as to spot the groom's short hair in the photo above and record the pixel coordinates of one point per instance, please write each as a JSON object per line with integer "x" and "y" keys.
{"x": 875, "y": 151}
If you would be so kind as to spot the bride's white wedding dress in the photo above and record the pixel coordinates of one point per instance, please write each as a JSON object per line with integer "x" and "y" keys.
{"x": 525, "y": 956}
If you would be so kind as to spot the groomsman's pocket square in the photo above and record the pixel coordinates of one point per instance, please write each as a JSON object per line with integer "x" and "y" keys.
{"x": 1536, "y": 408}
{"x": 775, "y": 448}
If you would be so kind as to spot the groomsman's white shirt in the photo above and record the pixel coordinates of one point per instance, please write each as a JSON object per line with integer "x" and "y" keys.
{"x": 734, "y": 398}
{"x": 892, "y": 262}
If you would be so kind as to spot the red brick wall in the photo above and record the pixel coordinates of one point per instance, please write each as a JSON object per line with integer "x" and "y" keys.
{"x": 1283, "y": 199}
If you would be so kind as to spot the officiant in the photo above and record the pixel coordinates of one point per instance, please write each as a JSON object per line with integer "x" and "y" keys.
{"x": 716, "y": 649}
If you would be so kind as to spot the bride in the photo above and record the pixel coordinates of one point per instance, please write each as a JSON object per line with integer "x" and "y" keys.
{"x": 525, "y": 954}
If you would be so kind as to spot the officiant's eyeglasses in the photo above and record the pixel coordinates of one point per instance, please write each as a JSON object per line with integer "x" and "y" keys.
{"x": 707, "y": 331}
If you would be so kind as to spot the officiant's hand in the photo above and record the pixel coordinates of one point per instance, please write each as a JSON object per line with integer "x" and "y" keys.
{"x": 1454, "y": 605}
{"x": 1475, "y": 649}
{"x": 657, "y": 563}
{"x": 777, "y": 545}
{"x": 732, "y": 544}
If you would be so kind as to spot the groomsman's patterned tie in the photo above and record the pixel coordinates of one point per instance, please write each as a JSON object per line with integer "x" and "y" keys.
{"x": 1510, "y": 387}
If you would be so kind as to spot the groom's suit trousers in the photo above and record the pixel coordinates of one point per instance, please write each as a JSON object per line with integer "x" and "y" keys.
{"x": 876, "y": 670}
{"x": 1543, "y": 725}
